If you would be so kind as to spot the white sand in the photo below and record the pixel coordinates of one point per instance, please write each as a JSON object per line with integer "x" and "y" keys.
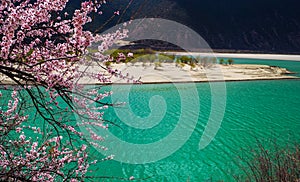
{"x": 242, "y": 55}
{"x": 169, "y": 73}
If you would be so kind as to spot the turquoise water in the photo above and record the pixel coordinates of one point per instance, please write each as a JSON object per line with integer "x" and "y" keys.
{"x": 255, "y": 110}
{"x": 290, "y": 65}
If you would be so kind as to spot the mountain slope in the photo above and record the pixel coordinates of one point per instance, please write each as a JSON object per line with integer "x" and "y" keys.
{"x": 246, "y": 25}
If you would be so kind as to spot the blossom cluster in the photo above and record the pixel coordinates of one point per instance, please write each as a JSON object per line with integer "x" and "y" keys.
{"x": 42, "y": 48}
{"x": 42, "y": 161}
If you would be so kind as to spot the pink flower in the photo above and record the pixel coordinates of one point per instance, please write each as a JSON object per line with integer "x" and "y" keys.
{"x": 130, "y": 54}
{"x": 83, "y": 147}
{"x": 22, "y": 137}
{"x": 117, "y": 13}
{"x": 51, "y": 59}
{"x": 18, "y": 130}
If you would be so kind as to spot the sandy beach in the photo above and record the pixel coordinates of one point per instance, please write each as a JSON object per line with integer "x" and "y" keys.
{"x": 149, "y": 72}
{"x": 242, "y": 55}
{"x": 170, "y": 73}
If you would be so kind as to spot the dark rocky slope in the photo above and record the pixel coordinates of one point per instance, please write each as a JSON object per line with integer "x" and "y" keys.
{"x": 271, "y": 26}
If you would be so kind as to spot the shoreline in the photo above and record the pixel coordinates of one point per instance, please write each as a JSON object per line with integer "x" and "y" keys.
{"x": 181, "y": 82}
{"x": 172, "y": 73}
{"x": 283, "y": 57}
{"x": 150, "y": 73}
{"x": 196, "y": 82}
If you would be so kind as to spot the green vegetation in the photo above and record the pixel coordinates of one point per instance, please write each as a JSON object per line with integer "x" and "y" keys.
{"x": 186, "y": 59}
{"x": 107, "y": 63}
{"x": 230, "y": 61}
{"x": 157, "y": 64}
{"x": 177, "y": 62}
{"x": 151, "y": 56}
{"x": 193, "y": 65}
{"x": 139, "y": 55}
{"x": 221, "y": 61}
{"x": 181, "y": 65}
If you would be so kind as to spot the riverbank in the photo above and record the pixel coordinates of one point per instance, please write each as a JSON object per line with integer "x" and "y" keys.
{"x": 183, "y": 73}
{"x": 171, "y": 72}
{"x": 149, "y": 72}
{"x": 285, "y": 57}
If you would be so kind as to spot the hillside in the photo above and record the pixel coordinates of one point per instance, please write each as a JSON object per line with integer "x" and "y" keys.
{"x": 232, "y": 25}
